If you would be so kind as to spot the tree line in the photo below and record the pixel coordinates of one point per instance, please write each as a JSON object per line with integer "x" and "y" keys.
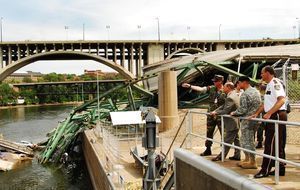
{"x": 47, "y": 94}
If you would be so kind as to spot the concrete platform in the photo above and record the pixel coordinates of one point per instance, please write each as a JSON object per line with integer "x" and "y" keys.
{"x": 108, "y": 157}
{"x": 290, "y": 181}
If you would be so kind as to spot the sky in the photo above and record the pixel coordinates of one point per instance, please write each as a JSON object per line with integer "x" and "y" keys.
{"x": 239, "y": 19}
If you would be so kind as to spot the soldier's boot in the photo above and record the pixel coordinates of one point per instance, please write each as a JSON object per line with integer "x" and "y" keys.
{"x": 251, "y": 164}
{"x": 247, "y": 159}
{"x": 207, "y": 152}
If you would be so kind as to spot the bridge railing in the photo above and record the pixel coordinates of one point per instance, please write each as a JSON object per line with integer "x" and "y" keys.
{"x": 277, "y": 159}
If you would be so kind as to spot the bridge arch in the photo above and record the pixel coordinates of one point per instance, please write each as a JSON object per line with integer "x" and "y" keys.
{"x": 62, "y": 55}
{"x": 186, "y": 50}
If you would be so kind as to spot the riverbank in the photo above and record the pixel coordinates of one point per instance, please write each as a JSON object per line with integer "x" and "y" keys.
{"x": 38, "y": 105}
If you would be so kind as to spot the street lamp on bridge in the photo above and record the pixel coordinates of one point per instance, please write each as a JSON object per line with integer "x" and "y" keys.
{"x": 107, "y": 28}
{"x": 66, "y": 29}
{"x": 220, "y": 31}
{"x": 139, "y": 28}
{"x": 158, "y": 28}
{"x": 83, "y": 31}
{"x": 298, "y": 27}
{"x": 188, "y": 28}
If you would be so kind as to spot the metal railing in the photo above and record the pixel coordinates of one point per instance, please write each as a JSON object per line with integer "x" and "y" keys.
{"x": 223, "y": 144}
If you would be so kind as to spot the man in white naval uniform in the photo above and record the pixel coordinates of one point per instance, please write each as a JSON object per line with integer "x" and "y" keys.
{"x": 275, "y": 108}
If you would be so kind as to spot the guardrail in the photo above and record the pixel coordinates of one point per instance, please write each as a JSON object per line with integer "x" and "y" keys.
{"x": 223, "y": 144}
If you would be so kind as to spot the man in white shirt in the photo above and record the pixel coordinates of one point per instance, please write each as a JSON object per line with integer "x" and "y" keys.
{"x": 275, "y": 108}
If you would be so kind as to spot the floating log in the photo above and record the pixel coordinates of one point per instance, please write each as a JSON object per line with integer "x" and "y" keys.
{"x": 11, "y": 146}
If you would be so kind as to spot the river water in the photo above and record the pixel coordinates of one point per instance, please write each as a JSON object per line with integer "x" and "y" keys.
{"x": 32, "y": 124}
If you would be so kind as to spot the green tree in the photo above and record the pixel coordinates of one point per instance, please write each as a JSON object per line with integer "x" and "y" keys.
{"x": 27, "y": 80}
{"x": 7, "y": 94}
{"x": 29, "y": 95}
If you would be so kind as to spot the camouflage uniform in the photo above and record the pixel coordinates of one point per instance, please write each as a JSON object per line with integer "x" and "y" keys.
{"x": 216, "y": 99}
{"x": 249, "y": 103}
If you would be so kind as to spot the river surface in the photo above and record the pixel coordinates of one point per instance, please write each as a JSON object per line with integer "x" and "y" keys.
{"x": 32, "y": 124}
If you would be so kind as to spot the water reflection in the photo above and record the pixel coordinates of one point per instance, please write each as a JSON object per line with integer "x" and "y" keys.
{"x": 32, "y": 124}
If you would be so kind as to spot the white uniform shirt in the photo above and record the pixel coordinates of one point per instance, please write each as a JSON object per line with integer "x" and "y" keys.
{"x": 274, "y": 89}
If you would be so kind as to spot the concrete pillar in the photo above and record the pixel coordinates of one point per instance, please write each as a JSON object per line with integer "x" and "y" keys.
{"x": 19, "y": 52}
{"x": 115, "y": 53}
{"x": 45, "y": 45}
{"x": 123, "y": 56}
{"x": 106, "y": 51}
{"x": 175, "y": 47}
{"x": 140, "y": 61}
{"x": 203, "y": 47}
{"x": 36, "y": 49}
{"x": 80, "y": 47}
{"x": 27, "y": 50}
{"x": 210, "y": 47}
{"x": 167, "y": 100}
{"x": 98, "y": 49}
{"x": 169, "y": 50}
{"x": 9, "y": 55}
{"x": 1, "y": 57}
{"x": 131, "y": 62}
{"x": 72, "y": 47}
{"x": 89, "y": 48}
{"x": 155, "y": 53}
{"x": 220, "y": 47}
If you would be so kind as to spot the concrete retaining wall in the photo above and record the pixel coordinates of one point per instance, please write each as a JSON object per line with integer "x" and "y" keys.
{"x": 92, "y": 154}
{"x": 194, "y": 172}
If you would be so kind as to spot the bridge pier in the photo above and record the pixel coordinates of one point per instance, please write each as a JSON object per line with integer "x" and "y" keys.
{"x": 167, "y": 100}
{"x": 220, "y": 47}
{"x": 9, "y": 55}
{"x": 155, "y": 53}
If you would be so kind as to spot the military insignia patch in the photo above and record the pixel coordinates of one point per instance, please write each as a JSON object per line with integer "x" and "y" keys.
{"x": 277, "y": 86}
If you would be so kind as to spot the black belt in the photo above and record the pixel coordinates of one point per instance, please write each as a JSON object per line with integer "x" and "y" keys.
{"x": 280, "y": 111}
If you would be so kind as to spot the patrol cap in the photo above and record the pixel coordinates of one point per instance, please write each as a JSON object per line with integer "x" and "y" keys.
{"x": 244, "y": 78}
{"x": 218, "y": 78}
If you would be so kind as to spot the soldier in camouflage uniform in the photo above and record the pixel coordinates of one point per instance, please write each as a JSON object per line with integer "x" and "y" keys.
{"x": 215, "y": 100}
{"x": 249, "y": 102}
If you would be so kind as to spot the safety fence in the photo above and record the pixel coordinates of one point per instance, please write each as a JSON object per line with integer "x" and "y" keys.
{"x": 223, "y": 144}
{"x": 292, "y": 84}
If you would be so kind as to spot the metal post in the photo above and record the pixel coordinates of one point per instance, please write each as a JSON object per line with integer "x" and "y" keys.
{"x": 150, "y": 181}
{"x": 98, "y": 96}
{"x": 188, "y": 32}
{"x": 220, "y": 31}
{"x": 66, "y": 29}
{"x": 298, "y": 27}
{"x": 139, "y": 28}
{"x": 77, "y": 93}
{"x": 222, "y": 135}
{"x": 276, "y": 154}
{"x": 83, "y": 31}
{"x": 107, "y": 28}
{"x": 239, "y": 65}
{"x": 82, "y": 93}
{"x": 284, "y": 72}
{"x": 158, "y": 28}
{"x": 1, "y": 28}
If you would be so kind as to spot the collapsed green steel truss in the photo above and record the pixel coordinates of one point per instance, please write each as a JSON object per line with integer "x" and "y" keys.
{"x": 86, "y": 115}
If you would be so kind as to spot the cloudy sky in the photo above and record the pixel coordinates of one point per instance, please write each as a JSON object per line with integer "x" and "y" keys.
{"x": 46, "y": 20}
